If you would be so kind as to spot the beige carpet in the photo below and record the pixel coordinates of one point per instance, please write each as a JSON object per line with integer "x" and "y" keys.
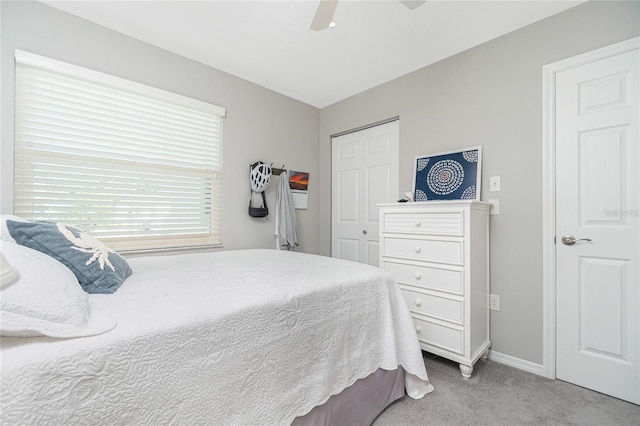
{"x": 500, "y": 395}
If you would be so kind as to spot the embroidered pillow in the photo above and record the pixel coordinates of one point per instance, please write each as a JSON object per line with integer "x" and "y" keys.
{"x": 99, "y": 269}
{"x": 46, "y": 300}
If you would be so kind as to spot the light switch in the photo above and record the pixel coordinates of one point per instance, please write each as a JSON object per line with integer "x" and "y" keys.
{"x": 494, "y": 183}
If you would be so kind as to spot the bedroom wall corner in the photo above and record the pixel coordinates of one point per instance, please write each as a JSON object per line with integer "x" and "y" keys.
{"x": 260, "y": 124}
{"x": 490, "y": 95}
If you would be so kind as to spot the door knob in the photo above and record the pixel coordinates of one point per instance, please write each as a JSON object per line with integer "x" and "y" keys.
{"x": 364, "y": 231}
{"x": 569, "y": 240}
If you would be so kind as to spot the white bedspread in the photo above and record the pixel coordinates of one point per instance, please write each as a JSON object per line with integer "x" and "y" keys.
{"x": 251, "y": 337}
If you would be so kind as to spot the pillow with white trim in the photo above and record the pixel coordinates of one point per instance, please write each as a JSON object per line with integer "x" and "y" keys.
{"x": 46, "y": 300}
{"x": 99, "y": 269}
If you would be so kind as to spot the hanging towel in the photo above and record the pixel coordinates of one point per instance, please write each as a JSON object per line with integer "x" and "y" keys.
{"x": 286, "y": 232}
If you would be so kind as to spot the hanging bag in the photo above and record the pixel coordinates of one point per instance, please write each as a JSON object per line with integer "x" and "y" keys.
{"x": 259, "y": 211}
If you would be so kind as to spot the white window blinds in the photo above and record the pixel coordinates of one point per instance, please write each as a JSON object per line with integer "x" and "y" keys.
{"x": 138, "y": 167}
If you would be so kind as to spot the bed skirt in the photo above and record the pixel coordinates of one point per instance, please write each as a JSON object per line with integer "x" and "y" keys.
{"x": 358, "y": 404}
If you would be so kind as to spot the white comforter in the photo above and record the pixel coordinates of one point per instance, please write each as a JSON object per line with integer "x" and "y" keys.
{"x": 252, "y": 337}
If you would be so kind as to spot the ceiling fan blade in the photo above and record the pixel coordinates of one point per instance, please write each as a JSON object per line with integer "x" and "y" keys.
{"x": 412, "y": 4}
{"x": 324, "y": 14}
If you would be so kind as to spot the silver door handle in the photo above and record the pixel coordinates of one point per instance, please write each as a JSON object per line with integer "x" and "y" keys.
{"x": 569, "y": 240}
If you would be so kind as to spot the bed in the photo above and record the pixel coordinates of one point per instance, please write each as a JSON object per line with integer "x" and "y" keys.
{"x": 246, "y": 337}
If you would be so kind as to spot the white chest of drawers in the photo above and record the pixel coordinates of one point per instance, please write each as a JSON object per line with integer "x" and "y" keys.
{"x": 438, "y": 252}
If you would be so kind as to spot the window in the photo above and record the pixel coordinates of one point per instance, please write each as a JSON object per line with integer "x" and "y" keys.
{"x": 138, "y": 167}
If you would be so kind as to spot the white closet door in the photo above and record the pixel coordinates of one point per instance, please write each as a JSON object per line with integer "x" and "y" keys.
{"x": 364, "y": 174}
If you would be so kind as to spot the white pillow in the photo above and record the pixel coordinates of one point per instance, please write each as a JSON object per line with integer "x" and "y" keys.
{"x": 46, "y": 300}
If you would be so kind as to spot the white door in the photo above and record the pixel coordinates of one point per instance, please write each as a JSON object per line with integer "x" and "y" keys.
{"x": 364, "y": 174}
{"x": 597, "y": 191}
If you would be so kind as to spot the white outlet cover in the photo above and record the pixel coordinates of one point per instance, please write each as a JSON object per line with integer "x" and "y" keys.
{"x": 494, "y": 302}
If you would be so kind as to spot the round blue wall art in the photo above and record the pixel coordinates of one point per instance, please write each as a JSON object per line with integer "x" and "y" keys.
{"x": 448, "y": 176}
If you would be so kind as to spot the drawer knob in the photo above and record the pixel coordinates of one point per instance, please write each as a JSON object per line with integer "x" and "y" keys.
{"x": 418, "y": 329}
{"x": 418, "y": 249}
{"x": 418, "y": 275}
{"x": 418, "y": 223}
{"x": 418, "y": 302}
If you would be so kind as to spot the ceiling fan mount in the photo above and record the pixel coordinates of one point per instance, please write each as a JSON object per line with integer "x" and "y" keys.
{"x": 323, "y": 17}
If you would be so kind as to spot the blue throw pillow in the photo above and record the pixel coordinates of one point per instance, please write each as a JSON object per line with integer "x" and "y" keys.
{"x": 99, "y": 269}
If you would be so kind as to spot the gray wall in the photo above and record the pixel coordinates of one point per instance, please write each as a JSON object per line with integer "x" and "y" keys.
{"x": 260, "y": 124}
{"x": 490, "y": 95}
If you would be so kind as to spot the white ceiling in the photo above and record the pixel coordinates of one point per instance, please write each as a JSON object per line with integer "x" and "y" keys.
{"x": 270, "y": 43}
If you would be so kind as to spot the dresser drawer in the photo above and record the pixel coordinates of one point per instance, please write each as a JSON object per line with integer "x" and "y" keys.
{"x": 448, "y": 279}
{"x": 431, "y": 333}
{"x": 440, "y": 251}
{"x": 425, "y": 223}
{"x": 431, "y": 305}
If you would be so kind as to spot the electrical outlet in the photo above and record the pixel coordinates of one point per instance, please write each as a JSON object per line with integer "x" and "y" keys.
{"x": 494, "y": 302}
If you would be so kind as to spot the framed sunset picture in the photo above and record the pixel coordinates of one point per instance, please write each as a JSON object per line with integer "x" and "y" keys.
{"x": 299, "y": 185}
{"x": 298, "y": 180}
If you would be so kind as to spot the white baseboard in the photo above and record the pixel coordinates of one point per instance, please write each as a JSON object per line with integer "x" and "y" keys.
{"x": 516, "y": 363}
